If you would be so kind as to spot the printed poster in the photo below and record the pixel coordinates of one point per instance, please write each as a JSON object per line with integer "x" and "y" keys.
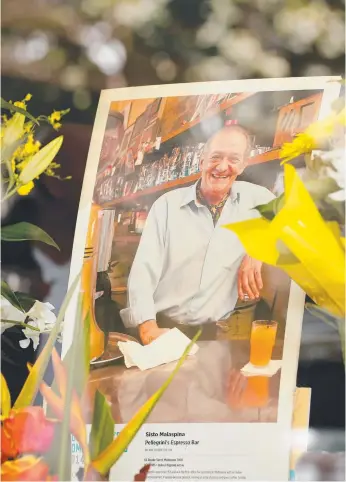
{"x": 202, "y": 156}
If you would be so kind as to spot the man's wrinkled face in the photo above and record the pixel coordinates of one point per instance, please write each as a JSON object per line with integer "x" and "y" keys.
{"x": 224, "y": 160}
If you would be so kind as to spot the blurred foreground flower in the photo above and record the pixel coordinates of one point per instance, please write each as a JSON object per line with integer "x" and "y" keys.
{"x": 26, "y": 431}
{"x": 58, "y": 403}
{"x": 35, "y": 446}
{"x": 298, "y": 241}
{"x": 316, "y": 136}
{"x": 28, "y": 468}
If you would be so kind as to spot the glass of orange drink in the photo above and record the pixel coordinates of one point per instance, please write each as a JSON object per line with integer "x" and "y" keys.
{"x": 262, "y": 340}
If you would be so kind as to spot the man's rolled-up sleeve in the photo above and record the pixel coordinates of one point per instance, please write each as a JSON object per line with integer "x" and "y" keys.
{"x": 146, "y": 269}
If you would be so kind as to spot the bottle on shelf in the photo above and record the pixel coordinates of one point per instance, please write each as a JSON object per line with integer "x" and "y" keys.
{"x": 132, "y": 223}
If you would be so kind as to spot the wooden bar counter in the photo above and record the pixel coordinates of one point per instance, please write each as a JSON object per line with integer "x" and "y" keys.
{"x": 209, "y": 387}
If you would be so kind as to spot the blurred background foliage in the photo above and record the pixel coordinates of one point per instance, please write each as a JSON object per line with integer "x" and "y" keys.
{"x": 65, "y": 51}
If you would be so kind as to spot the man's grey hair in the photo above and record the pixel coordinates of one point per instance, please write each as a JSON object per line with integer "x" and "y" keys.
{"x": 229, "y": 129}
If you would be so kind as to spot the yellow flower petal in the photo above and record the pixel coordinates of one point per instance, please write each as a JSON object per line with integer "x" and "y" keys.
{"x": 22, "y": 105}
{"x": 302, "y": 144}
{"x": 40, "y": 161}
{"x": 5, "y": 398}
{"x": 264, "y": 248}
{"x": 320, "y": 258}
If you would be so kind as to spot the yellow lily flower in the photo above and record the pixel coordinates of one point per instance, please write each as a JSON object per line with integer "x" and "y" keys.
{"x": 316, "y": 260}
{"x": 5, "y": 397}
{"x": 40, "y": 161}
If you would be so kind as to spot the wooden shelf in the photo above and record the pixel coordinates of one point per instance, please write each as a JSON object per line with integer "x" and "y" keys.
{"x": 271, "y": 155}
{"x": 213, "y": 111}
{"x": 153, "y": 190}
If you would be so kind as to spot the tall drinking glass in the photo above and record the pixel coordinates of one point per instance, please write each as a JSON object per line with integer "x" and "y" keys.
{"x": 263, "y": 334}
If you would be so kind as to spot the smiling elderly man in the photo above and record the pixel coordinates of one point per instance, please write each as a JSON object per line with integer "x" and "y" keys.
{"x": 188, "y": 270}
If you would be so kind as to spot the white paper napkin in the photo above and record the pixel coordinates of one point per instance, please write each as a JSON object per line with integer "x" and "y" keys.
{"x": 165, "y": 349}
{"x": 269, "y": 370}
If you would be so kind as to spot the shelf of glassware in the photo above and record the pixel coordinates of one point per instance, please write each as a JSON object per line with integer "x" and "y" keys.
{"x": 267, "y": 156}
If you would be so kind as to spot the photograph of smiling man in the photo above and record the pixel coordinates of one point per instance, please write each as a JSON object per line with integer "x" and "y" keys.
{"x": 178, "y": 277}
{"x": 182, "y": 167}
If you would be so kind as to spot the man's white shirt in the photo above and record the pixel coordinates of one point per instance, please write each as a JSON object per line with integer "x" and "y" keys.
{"x": 185, "y": 267}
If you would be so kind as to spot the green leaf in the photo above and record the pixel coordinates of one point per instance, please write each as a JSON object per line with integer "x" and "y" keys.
{"x": 82, "y": 346}
{"x": 26, "y": 232}
{"x": 51, "y": 456}
{"x": 64, "y": 471}
{"x": 32, "y": 383}
{"x": 102, "y": 428}
{"x": 106, "y": 459}
{"x": 10, "y": 295}
{"x": 82, "y": 374}
{"x": 26, "y": 301}
{"x": 7, "y": 106}
{"x": 270, "y": 210}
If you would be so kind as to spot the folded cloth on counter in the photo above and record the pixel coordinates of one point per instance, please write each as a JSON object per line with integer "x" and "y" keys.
{"x": 269, "y": 370}
{"x": 167, "y": 348}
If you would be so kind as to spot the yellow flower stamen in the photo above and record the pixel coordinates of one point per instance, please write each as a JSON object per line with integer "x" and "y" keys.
{"x": 26, "y": 189}
{"x": 21, "y": 105}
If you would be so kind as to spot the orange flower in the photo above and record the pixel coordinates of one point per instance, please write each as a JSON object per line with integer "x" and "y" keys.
{"x": 26, "y": 431}
{"x": 25, "y": 469}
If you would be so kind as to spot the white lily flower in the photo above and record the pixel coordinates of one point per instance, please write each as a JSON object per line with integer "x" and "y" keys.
{"x": 338, "y": 195}
{"x": 336, "y": 170}
{"x": 41, "y": 317}
{"x": 31, "y": 335}
{"x": 10, "y": 312}
{"x": 42, "y": 312}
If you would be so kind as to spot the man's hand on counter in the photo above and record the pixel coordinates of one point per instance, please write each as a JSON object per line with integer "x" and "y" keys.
{"x": 149, "y": 331}
{"x": 250, "y": 278}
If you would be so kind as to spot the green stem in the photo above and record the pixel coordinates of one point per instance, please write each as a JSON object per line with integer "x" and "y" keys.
{"x": 20, "y": 323}
{"x": 341, "y": 330}
{"x": 9, "y": 194}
